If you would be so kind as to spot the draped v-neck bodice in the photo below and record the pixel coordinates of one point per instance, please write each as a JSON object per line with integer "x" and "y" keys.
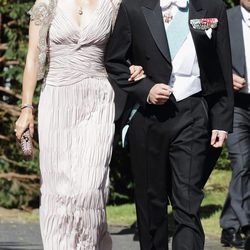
{"x": 77, "y": 52}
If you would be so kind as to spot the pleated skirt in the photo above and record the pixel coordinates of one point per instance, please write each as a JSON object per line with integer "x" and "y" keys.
{"x": 76, "y": 129}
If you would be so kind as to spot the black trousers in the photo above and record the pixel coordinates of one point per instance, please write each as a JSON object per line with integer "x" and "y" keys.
{"x": 168, "y": 146}
{"x": 236, "y": 210}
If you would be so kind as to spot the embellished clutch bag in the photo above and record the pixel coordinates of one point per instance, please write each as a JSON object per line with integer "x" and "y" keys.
{"x": 27, "y": 145}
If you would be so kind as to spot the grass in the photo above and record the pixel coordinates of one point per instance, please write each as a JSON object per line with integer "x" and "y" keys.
{"x": 121, "y": 215}
{"x": 18, "y": 216}
{"x": 215, "y": 194}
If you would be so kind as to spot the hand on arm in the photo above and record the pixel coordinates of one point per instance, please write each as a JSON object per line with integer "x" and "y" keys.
{"x": 238, "y": 82}
{"x": 26, "y": 119}
{"x": 137, "y": 73}
{"x": 159, "y": 93}
{"x": 118, "y": 53}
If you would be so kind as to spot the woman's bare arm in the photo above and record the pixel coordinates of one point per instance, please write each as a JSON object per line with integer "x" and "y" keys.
{"x": 26, "y": 119}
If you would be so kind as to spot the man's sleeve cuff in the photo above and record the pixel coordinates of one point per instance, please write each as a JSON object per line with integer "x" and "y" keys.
{"x": 148, "y": 100}
{"x": 217, "y": 130}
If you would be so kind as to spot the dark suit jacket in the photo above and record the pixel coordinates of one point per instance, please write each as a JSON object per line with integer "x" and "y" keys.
{"x": 237, "y": 41}
{"x": 139, "y": 36}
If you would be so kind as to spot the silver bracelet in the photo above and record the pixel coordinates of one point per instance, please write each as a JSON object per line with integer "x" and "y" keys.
{"x": 30, "y": 106}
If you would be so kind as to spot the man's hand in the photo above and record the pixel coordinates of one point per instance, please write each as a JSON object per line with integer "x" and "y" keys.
{"x": 218, "y": 138}
{"x": 159, "y": 94}
{"x": 238, "y": 82}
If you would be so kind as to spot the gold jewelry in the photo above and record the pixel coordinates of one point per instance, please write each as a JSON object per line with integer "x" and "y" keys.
{"x": 80, "y": 11}
{"x": 80, "y": 8}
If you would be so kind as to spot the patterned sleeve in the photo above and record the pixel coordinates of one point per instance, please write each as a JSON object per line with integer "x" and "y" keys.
{"x": 39, "y": 13}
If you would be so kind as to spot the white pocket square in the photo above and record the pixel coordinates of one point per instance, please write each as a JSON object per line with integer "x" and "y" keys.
{"x": 209, "y": 33}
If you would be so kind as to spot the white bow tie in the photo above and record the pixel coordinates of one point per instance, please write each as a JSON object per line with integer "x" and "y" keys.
{"x": 179, "y": 3}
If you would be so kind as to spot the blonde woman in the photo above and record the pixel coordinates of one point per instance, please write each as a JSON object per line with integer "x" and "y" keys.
{"x": 75, "y": 121}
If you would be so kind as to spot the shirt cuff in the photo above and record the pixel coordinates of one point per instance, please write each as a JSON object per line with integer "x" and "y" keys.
{"x": 148, "y": 101}
{"x": 217, "y": 130}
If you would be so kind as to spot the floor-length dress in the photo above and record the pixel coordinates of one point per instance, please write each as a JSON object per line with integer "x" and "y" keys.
{"x": 76, "y": 127}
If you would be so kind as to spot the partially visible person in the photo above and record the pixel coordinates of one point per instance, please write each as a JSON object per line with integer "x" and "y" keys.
{"x": 235, "y": 217}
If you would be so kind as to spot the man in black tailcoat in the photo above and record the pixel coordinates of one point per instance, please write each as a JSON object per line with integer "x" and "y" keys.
{"x": 184, "y": 105}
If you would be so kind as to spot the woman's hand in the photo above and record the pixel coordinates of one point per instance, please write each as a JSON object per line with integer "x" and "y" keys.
{"x": 25, "y": 121}
{"x": 137, "y": 73}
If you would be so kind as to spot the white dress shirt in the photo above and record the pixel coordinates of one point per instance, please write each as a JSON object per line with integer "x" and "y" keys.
{"x": 246, "y": 37}
{"x": 185, "y": 77}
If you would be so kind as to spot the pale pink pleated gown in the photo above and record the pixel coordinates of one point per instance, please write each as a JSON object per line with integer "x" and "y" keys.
{"x": 76, "y": 128}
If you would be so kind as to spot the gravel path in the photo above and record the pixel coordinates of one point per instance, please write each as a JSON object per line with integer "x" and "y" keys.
{"x": 27, "y": 237}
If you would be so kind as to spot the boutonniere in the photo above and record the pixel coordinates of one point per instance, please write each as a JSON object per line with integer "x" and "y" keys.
{"x": 205, "y": 24}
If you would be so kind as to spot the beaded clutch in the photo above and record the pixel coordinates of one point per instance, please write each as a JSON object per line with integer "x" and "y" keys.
{"x": 27, "y": 145}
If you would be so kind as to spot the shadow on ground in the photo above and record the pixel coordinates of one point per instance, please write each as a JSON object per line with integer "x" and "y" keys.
{"x": 208, "y": 210}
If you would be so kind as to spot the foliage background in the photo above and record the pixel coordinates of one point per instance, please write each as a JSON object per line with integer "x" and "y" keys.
{"x": 19, "y": 180}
